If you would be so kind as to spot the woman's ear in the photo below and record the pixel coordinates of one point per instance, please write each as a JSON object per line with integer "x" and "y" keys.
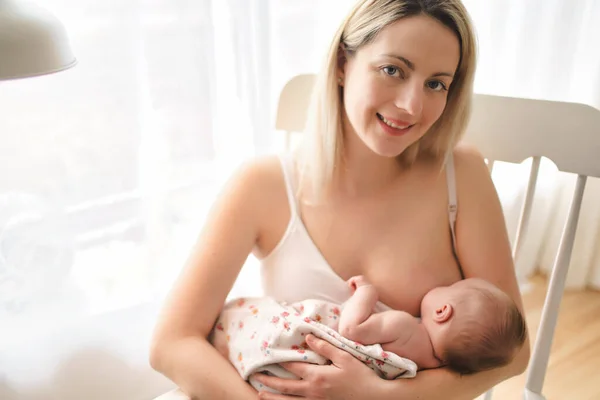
{"x": 341, "y": 61}
{"x": 443, "y": 314}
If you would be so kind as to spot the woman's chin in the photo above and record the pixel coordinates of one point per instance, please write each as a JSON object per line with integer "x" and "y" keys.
{"x": 387, "y": 150}
{"x": 382, "y": 146}
{"x": 385, "y": 147}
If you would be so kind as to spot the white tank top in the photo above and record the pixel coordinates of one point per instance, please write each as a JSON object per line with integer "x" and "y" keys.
{"x": 295, "y": 269}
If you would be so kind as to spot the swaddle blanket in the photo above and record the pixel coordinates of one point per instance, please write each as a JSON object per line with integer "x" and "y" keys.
{"x": 260, "y": 333}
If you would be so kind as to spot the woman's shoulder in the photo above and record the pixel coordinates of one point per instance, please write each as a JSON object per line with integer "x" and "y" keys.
{"x": 259, "y": 173}
{"x": 475, "y": 187}
{"x": 263, "y": 196}
{"x": 470, "y": 165}
{"x": 466, "y": 154}
{"x": 257, "y": 185}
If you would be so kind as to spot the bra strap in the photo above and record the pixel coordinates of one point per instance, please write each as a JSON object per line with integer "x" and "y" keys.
{"x": 452, "y": 200}
{"x": 287, "y": 167}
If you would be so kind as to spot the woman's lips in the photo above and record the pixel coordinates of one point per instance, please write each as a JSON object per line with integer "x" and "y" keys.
{"x": 394, "y": 127}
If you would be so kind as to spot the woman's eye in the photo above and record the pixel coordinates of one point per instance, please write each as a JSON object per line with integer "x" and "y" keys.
{"x": 391, "y": 71}
{"x": 436, "y": 86}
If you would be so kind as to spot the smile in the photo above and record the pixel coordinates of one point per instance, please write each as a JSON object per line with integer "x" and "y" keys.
{"x": 392, "y": 124}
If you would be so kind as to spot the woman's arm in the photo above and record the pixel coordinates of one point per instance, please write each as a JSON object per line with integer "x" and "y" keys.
{"x": 348, "y": 377}
{"x": 441, "y": 384}
{"x": 180, "y": 349}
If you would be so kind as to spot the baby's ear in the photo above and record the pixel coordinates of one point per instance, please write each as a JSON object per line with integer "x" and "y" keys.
{"x": 443, "y": 314}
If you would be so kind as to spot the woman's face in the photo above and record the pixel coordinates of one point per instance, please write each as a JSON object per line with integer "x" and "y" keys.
{"x": 396, "y": 87}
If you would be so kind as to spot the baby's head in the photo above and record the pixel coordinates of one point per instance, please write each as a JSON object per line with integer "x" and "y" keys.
{"x": 473, "y": 325}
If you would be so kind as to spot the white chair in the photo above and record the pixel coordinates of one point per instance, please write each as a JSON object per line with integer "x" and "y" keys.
{"x": 511, "y": 130}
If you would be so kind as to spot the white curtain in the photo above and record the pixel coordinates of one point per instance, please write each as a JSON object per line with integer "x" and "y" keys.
{"x": 544, "y": 50}
{"x": 109, "y": 168}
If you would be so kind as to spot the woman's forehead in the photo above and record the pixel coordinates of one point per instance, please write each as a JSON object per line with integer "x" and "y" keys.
{"x": 422, "y": 40}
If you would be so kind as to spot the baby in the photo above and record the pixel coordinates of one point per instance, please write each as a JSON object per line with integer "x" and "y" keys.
{"x": 469, "y": 326}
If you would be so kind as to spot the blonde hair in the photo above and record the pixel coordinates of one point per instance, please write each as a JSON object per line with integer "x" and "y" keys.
{"x": 323, "y": 138}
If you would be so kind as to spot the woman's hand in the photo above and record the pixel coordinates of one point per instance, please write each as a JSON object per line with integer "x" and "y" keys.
{"x": 345, "y": 378}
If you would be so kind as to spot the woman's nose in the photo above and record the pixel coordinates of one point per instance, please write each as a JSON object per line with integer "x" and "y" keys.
{"x": 410, "y": 99}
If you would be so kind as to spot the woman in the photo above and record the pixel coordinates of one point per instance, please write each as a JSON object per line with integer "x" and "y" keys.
{"x": 381, "y": 190}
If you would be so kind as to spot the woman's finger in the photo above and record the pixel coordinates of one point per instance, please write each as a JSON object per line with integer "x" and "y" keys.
{"x": 299, "y": 369}
{"x": 327, "y": 350}
{"x": 295, "y": 387}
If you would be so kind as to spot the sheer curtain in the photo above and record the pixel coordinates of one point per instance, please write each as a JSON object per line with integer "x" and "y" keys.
{"x": 105, "y": 167}
{"x": 109, "y": 169}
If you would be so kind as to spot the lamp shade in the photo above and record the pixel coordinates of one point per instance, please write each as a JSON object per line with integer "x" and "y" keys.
{"x": 32, "y": 41}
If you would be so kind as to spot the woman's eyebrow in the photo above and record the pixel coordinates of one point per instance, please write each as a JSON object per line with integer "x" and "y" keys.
{"x": 406, "y": 61}
{"x": 411, "y": 65}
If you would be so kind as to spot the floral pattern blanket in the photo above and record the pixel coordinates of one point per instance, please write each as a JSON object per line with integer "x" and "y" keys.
{"x": 259, "y": 333}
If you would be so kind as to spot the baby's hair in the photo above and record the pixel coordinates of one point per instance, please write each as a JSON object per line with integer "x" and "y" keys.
{"x": 486, "y": 333}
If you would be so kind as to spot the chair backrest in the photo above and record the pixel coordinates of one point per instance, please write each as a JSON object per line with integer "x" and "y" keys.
{"x": 512, "y": 129}
{"x": 293, "y": 103}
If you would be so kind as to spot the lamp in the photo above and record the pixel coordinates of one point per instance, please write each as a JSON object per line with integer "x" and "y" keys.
{"x": 32, "y": 41}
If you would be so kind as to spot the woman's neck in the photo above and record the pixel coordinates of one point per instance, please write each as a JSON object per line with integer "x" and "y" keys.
{"x": 362, "y": 172}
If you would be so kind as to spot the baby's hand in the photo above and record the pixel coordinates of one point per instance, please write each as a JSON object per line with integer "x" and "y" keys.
{"x": 356, "y": 282}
